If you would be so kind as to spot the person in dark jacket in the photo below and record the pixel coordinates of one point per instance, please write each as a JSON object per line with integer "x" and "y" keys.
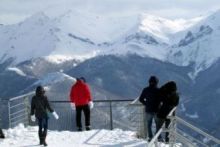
{"x": 169, "y": 100}
{"x": 81, "y": 99}
{"x": 1, "y": 134}
{"x": 150, "y": 99}
{"x": 39, "y": 109}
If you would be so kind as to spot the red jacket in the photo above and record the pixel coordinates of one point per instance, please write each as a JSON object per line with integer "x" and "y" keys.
{"x": 80, "y": 93}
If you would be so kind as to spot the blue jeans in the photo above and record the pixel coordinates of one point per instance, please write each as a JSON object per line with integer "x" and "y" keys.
{"x": 43, "y": 126}
{"x": 149, "y": 120}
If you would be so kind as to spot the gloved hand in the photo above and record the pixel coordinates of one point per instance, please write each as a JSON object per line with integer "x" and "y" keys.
{"x": 91, "y": 105}
{"x": 73, "y": 106}
{"x": 33, "y": 118}
{"x": 56, "y": 116}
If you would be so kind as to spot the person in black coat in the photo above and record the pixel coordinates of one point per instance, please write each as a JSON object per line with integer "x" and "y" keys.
{"x": 39, "y": 108}
{"x": 150, "y": 99}
{"x": 169, "y": 100}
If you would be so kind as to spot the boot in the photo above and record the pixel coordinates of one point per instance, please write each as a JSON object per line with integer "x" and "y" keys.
{"x": 44, "y": 139}
{"x": 2, "y": 134}
{"x": 41, "y": 138}
{"x": 88, "y": 128}
{"x": 79, "y": 129}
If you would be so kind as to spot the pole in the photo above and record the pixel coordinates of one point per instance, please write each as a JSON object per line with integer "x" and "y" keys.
{"x": 111, "y": 121}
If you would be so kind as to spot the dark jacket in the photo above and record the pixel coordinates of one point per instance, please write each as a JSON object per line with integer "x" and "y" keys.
{"x": 150, "y": 98}
{"x": 40, "y": 106}
{"x": 169, "y": 100}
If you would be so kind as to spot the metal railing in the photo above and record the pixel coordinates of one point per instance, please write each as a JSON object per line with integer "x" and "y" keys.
{"x": 106, "y": 114}
{"x": 176, "y": 135}
{"x": 110, "y": 114}
{"x": 19, "y": 110}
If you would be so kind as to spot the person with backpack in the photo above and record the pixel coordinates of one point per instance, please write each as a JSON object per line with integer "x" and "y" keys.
{"x": 150, "y": 99}
{"x": 169, "y": 100}
{"x": 39, "y": 109}
{"x": 81, "y": 100}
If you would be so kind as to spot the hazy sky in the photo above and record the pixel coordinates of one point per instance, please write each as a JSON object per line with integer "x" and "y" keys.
{"x": 15, "y": 10}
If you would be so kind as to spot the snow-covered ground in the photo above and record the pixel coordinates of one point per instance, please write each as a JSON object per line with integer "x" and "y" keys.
{"x": 21, "y": 136}
{"x": 27, "y": 137}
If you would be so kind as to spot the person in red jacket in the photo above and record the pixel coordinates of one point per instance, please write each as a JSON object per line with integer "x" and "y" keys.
{"x": 81, "y": 99}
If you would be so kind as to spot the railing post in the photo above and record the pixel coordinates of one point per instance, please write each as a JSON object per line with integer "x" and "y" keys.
{"x": 143, "y": 124}
{"x": 111, "y": 119}
{"x": 27, "y": 109}
{"x": 9, "y": 114}
{"x": 172, "y": 131}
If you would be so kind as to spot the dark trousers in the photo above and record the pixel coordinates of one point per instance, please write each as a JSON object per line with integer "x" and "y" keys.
{"x": 86, "y": 111}
{"x": 159, "y": 124}
{"x": 1, "y": 134}
{"x": 43, "y": 126}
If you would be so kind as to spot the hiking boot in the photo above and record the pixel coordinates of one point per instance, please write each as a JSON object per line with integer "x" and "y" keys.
{"x": 160, "y": 139}
{"x": 45, "y": 144}
{"x": 79, "y": 129}
{"x": 88, "y": 128}
{"x": 41, "y": 141}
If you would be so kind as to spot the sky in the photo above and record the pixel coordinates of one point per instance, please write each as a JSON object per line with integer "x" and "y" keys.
{"x": 12, "y": 11}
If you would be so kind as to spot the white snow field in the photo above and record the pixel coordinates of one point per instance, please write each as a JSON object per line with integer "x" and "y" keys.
{"x": 27, "y": 137}
{"x": 21, "y": 136}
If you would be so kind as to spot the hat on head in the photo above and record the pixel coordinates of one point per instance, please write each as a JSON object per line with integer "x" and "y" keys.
{"x": 40, "y": 90}
{"x": 82, "y": 79}
{"x": 153, "y": 80}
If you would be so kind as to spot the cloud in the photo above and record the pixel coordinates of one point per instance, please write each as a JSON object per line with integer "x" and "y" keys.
{"x": 165, "y": 8}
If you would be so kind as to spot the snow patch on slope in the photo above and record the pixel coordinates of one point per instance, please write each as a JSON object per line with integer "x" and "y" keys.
{"x": 17, "y": 70}
{"x": 53, "y": 78}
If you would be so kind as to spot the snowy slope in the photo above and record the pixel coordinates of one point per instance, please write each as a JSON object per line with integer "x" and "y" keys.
{"x": 29, "y": 39}
{"x": 199, "y": 45}
{"x": 81, "y": 35}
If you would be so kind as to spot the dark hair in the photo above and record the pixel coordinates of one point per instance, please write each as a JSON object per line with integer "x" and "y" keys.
{"x": 82, "y": 79}
{"x": 153, "y": 80}
{"x": 170, "y": 86}
{"x": 40, "y": 90}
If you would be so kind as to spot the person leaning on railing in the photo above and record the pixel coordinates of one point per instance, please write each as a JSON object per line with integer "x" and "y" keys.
{"x": 150, "y": 99}
{"x": 169, "y": 100}
{"x": 39, "y": 108}
{"x": 81, "y": 100}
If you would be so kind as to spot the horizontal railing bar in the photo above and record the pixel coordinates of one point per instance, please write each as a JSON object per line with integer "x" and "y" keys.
{"x": 19, "y": 120}
{"x": 23, "y": 110}
{"x": 22, "y": 96}
{"x": 191, "y": 137}
{"x": 185, "y": 140}
{"x": 16, "y": 105}
{"x": 17, "y": 116}
{"x": 197, "y": 130}
{"x": 97, "y": 101}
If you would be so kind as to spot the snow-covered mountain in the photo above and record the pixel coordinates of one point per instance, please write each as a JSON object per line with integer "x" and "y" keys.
{"x": 199, "y": 45}
{"x": 81, "y": 35}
